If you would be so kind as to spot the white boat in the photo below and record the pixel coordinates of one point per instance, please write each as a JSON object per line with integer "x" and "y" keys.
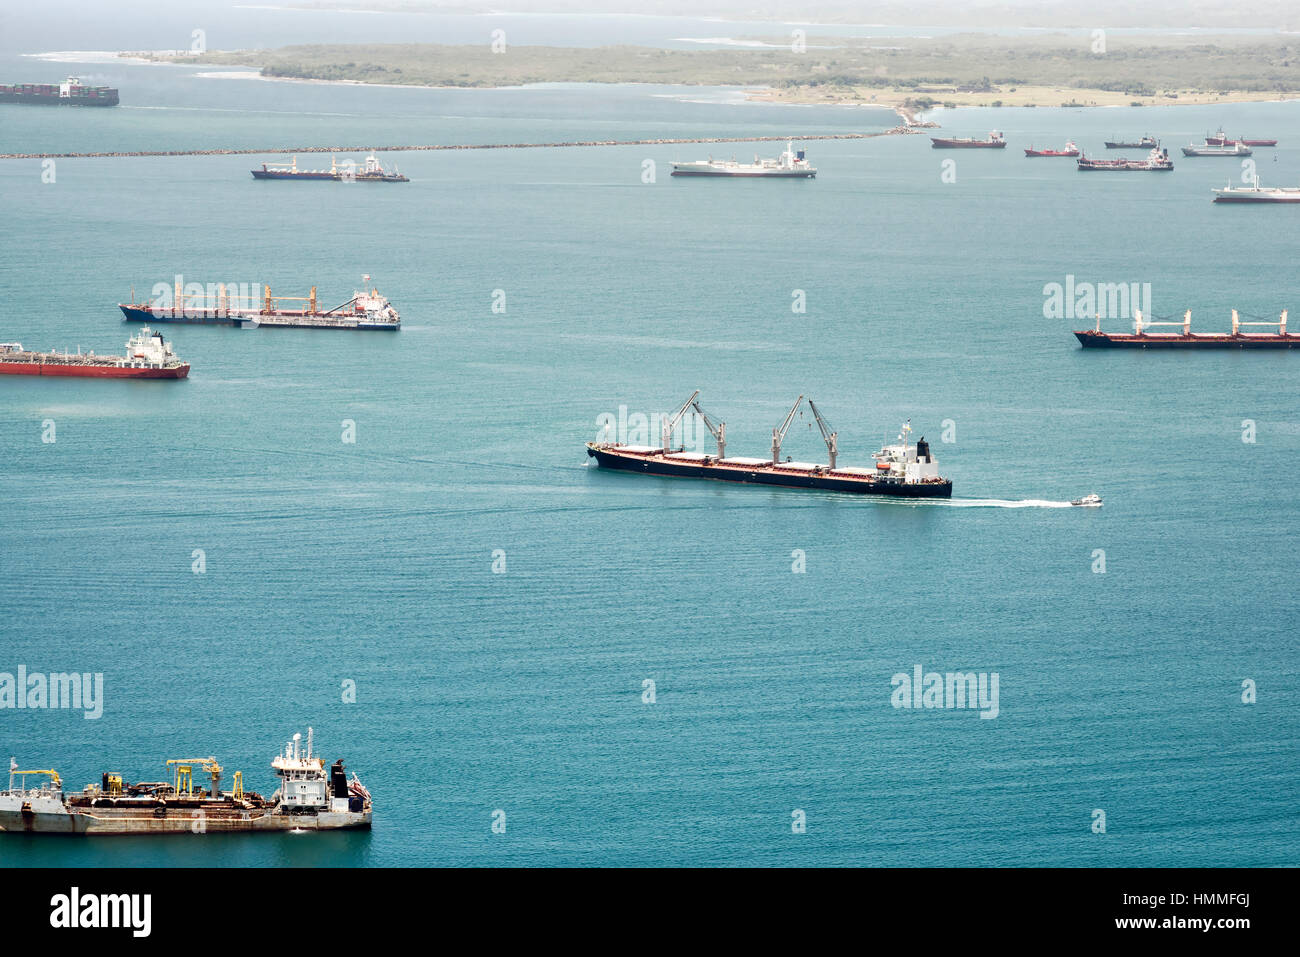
{"x": 1257, "y": 194}
{"x": 1091, "y": 500}
{"x": 792, "y": 164}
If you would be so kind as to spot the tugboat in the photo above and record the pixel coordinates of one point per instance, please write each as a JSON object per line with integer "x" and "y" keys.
{"x": 309, "y": 798}
{"x": 1147, "y": 142}
{"x": 792, "y": 164}
{"x": 1069, "y": 150}
{"x": 902, "y": 470}
{"x": 148, "y": 356}
{"x": 994, "y": 142}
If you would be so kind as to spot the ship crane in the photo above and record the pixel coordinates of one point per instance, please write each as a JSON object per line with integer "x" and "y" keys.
{"x": 184, "y": 779}
{"x": 828, "y": 434}
{"x": 778, "y": 435}
{"x": 672, "y": 422}
{"x": 718, "y": 430}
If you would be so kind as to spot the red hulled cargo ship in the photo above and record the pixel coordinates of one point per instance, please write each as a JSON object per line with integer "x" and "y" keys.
{"x": 1140, "y": 338}
{"x": 1069, "y": 150}
{"x": 148, "y": 356}
{"x": 904, "y": 470}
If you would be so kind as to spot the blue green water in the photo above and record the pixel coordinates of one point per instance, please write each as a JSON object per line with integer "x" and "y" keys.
{"x": 522, "y": 691}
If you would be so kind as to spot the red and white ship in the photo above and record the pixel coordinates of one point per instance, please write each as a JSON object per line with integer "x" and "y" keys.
{"x": 1222, "y": 139}
{"x": 1069, "y": 150}
{"x": 148, "y": 356}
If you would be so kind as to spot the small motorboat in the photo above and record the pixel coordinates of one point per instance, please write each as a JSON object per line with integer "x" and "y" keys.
{"x": 1092, "y": 500}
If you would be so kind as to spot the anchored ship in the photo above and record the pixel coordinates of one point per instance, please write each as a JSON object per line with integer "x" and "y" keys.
{"x": 68, "y": 93}
{"x": 1069, "y": 150}
{"x": 1147, "y": 142}
{"x": 994, "y": 142}
{"x": 148, "y": 356}
{"x": 370, "y": 172}
{"x": 309, "y": 798}
{"x": 1235, "y": 149}
{"x": 1222, "y": 139}
{"x": 792, "y": 164}
{"x": 1157, "y": 159}
{"x": 1141, "y": 338}
{"x": 904, "y": 469}
{"x": 365, "y": 310}
{"x": 1257, "y": 194}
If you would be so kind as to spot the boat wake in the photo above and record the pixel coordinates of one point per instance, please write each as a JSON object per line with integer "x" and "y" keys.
{"x": 1004, "y": 503}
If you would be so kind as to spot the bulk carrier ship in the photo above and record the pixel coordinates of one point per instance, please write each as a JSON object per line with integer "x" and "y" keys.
{"x": 309, "y": 798}
{"x": 1141, "y": 338}
{"x": 365, "y": 310}
{"x": 68, "y": 93}
{"x": 148, "y": 356}
{"x": 903, "y": 470}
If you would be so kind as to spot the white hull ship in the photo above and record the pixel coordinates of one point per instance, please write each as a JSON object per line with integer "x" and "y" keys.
{"x": 792, "y": 164}
{"x": 309, "y": 798}
{"x": 1257, "y": 194}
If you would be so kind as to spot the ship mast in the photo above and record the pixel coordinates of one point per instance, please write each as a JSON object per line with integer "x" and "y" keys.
{"x": 828, "y": 434}
{"x": 778, "y": 435}
{"x": 672, "y": 423}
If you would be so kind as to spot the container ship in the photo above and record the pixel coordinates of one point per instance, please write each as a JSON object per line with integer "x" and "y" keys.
{"x": 365, "y": 310}
{"x": 309, "y": 798}
{"x": 994, "y": 142}
{"x": 792, "y": 164}
{"x": 370, "y": 172}
{"x": 148, "y": 356}
{"x": 1257, "y": 194}
{"x": 1157, "y": 160}
{"x": 68, "y": 93}
{"x": 903, "y": 470}
{"x": 1147, "y": 142}
{"x": 1069, "y": 150}
{"x": 1141, "y": 338}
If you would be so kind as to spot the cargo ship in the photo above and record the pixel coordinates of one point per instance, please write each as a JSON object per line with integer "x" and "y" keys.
{"x": 1257, "y": 194}
{"x": 365, "y": 310}
{"x": 309, "y": 798}
{"x": 1069, "y": 150}
{"x": 1234, "y": 149}
{"x": 1222, "y": 139}
{"x": 1141, "y": 338}
{"x": 903, "y": 470}
{"x": 348, "y": 172}
{"x": 1147, "y": 142}
{"x": 148, "y": 356}
{"x": 994, "y": 142}
{"x": 792, "y": 164}
{"x": 1157, "y": 159}
{"x": 68, "y": 93}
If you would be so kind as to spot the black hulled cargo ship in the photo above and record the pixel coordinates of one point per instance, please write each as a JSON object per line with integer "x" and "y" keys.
{"x": 68, "y": 93}
{"x": 902, "y": 470}
{"x": 1142, "y": 338}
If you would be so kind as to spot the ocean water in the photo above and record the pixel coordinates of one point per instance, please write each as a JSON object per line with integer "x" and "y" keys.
{"x": 522, "y": 691}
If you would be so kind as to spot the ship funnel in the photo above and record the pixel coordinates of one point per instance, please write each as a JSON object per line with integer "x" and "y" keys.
{"x": 297, "y": 746}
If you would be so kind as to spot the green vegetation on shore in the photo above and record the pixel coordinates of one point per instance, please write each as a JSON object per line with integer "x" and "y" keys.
{"x": 1132, "y": 66}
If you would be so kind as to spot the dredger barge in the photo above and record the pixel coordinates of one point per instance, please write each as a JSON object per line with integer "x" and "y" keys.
{"x": 904, "y": 470}
{"x": 309, "y": 798}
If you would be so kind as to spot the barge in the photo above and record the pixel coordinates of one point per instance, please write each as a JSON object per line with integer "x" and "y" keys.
{"x": 309, "y": 798}
{"x": 901, "y": 470}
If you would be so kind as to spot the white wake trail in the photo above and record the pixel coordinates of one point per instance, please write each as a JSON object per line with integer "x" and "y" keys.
{"x": 1004, "y": 503}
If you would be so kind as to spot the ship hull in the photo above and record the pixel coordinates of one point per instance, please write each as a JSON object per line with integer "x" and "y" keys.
{"x": 782, "y": 174}
{"x": 50, "y": 816}
{"x": 275, "y": 174}
{"x": 222, "y": 317}
{"x": 1228, "y": 198}
{"x": 1102, "y": 340}
{"x": 828, "y": 482}
{"x": 91, "y": 372}
{"x": 53, "y": 99}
